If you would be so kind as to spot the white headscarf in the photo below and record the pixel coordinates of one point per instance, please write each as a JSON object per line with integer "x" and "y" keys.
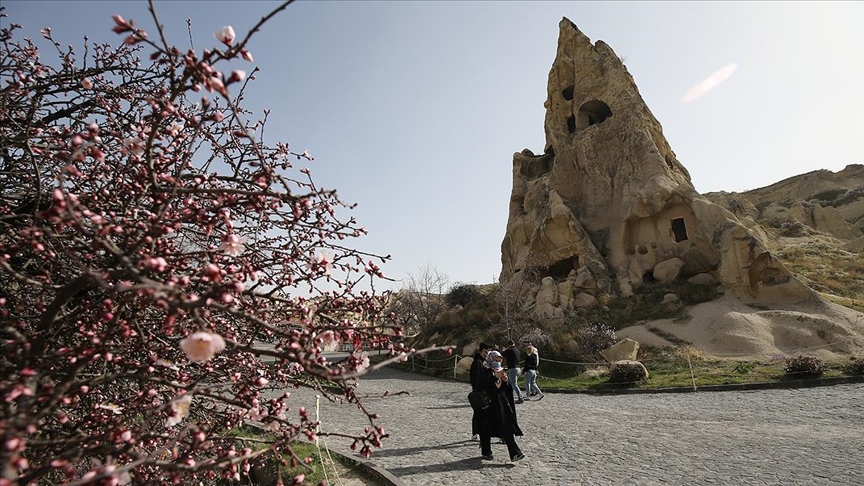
{"x": 490, "y": 357}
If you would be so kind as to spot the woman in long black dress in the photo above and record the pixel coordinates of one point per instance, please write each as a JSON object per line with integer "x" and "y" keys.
{"x": 499, "y": 420}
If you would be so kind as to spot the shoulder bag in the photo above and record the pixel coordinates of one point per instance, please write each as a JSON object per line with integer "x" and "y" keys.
{"x": 479, "y": 400}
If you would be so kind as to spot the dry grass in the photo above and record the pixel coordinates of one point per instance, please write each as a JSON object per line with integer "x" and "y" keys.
{"x": 827, "y": 269}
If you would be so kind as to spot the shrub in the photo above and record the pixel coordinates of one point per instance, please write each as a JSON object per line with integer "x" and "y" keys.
{"x": 856, "y": 367}
{"x": 627, "y": 374}
{"x": 691, "y": 294}
{"x": 745, "y": 367}
{"x": 792, "y": 228}
{"x": 594, "y": 337}
{"x": 464, "y": 295}
{"x": 804, "y": 367}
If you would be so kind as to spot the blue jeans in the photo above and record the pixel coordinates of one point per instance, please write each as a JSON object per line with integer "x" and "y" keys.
{"x": 531, "y": 382}
{"x": 512, "y": 378}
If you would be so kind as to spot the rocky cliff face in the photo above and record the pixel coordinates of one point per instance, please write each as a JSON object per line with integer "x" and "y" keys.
{"x": 608, "y": 206}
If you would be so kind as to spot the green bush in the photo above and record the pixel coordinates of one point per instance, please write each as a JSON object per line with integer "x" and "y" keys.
{"x": 804, "y": 367}
{"x": 856, "y": 367}
{"x": 745, "y": 367}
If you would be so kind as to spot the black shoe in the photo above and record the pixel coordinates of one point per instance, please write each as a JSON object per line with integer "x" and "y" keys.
{"x": 518, "y": 457}
{"x": 487, "y": 457}
{"x": 520, "y": 401}
{"x": 534, "y": 394}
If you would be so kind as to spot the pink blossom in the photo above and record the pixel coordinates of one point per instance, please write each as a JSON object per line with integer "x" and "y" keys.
{"x": 364, "y": 362}
{"x": 246, "y": 55}
{"x": 117, "y": 409}
{"x": 237, "y": 75}
{"x": 86, "y": 83}
{"x": 212, "y": 272}
{"x": 295, "y": 368}
{"x": 323, "y": 262}
{"x": 159, "y": 264}
{"x": 201, "y": 346}
{"x": 179, "y": 410}
{"x": 329, "y": 338}
{"x": 216, "y": 84}
{"x": 134, "y": 145}
{"x": 232, "y": 245}
{"x": 225, "y": 35}
{"x": 167, "y": 364}
{"x": 255, "y": 413}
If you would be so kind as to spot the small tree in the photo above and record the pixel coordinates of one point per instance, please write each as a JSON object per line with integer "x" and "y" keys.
{"x": 420, "y": 300}
{"x": 150, "y": 239}
{"x": 515, "y": 298}
{"x": 588, "y": 336}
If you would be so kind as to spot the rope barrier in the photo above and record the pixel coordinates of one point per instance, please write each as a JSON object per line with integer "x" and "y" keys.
{"x": 693, "y": 372}
{"x": 547, "y": 360}
{"x": 326, "y": 448}
{"x": 438, "y": 360}
{"x": 692, "y": 376}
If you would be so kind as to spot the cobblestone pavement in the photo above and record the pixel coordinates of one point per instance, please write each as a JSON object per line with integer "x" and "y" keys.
{"x": 787, "y": 436}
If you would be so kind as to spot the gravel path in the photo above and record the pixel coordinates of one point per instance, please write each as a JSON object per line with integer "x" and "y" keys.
{"x": 787, "y": 436}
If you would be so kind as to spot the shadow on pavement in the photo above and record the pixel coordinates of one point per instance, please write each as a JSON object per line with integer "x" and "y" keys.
{"x": 446, "y": 407}
{"x": 387, "y": 374}
{"x": 415, "y": 450}
{"x": 469, "y": 464}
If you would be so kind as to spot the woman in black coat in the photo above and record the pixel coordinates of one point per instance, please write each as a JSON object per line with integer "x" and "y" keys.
{"x": 499, "y": 420}
{"x": 474, "y": 376}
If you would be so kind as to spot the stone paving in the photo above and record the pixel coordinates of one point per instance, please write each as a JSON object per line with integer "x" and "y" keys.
{"x": 808, "y": 436}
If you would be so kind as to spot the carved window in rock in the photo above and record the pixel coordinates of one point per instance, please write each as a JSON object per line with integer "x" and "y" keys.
{"x": 679, "y": 230}
{"x": 591, "y": 113}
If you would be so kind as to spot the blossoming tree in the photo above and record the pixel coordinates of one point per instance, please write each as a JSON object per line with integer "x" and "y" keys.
{"x": 155, "y": 251}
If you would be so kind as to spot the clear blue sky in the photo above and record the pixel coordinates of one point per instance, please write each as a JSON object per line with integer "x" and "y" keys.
{"x": 413, "y": 109}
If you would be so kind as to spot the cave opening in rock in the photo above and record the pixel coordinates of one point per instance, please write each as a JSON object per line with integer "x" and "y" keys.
{"x": 591, "y": 113}
{"x": 571, "y": 124}
{"x": 560, "y": 270}
{"x": 679, "y": 230}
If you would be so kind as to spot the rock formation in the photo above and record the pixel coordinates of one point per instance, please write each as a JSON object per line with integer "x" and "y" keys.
{"x": 608, "y": 206}
{"x": 824, "y": 201}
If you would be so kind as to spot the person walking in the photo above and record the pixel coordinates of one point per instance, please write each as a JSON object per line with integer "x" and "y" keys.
{"x": 511, "y": 357}
{"x": 531, "y": 363}
{"x": 474, "y": 377}
{"x": 500, "y": 418}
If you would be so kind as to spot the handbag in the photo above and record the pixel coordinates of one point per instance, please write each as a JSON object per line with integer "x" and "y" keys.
{"x": 479, "y": 400}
